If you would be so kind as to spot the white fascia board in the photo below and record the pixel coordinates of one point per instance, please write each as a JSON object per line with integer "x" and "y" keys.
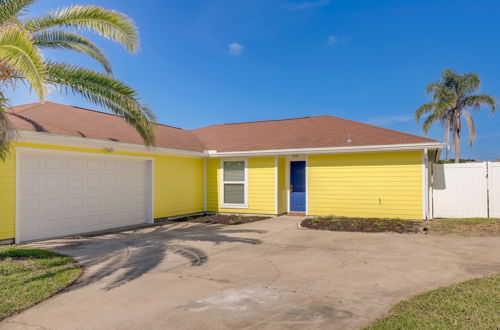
{"x": 328, "y": 150}
{"x": 74, "y": 141}
{"x": 81, "y": 142}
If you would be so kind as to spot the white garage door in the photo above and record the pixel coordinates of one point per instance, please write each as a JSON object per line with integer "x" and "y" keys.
{"x": 64, "y": 193}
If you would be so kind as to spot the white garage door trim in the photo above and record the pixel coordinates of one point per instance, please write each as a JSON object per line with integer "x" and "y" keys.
{"x": 149, "y": 177}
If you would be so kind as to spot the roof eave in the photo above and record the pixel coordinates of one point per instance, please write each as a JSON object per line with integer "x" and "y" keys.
{"x": 74, "y": 141}
{"x": 82, "y": 142}
{"x": 326, "y": 150}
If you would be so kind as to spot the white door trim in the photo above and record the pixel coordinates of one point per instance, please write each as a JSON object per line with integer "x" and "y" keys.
{"x": 297, "y": 158}
{"x": 276, "y": 189}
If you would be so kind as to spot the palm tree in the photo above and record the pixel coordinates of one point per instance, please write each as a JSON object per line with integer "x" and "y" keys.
{"x": 452, "y": 96}
{"x": 22, "y": 40}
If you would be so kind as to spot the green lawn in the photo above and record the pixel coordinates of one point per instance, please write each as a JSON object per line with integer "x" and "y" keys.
{"x": 473, "y": 304}
{"x": 28, "y": 276}
{"x": 472, "y": 226}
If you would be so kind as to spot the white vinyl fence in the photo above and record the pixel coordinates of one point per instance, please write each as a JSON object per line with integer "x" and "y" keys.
{"x": 494, "y": 189}
{"x": 466, "y": 190}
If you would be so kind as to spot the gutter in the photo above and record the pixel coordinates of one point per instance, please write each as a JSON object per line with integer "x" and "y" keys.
{"x": 74, "y": 141}
{"x": 111, "y": 146}
{"x": 327, "y": 150}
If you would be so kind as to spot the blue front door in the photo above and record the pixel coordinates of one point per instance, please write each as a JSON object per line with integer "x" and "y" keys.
{"x": 298, "y": 186}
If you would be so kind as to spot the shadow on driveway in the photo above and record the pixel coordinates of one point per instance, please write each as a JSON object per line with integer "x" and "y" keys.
{"x": 130, "y": 254}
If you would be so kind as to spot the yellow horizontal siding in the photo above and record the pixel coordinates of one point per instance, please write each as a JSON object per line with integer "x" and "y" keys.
{"x": 8, "y": 197}
{"x": 366, "y": 185}
{"x": 261, "y": 186}
{"x": 213, "y": 174}
{"x": 178, "y": 185}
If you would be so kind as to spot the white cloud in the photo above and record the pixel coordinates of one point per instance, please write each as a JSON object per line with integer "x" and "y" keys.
{"x": 332, "y": 40}
{"x": 306, "y": 5}
{"x": 390, "y": 120}
{"x": 236, "y": 49}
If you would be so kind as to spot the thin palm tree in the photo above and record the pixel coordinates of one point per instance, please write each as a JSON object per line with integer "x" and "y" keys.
{"x": 452, "y": 96}
{"x": 22, "y": 40}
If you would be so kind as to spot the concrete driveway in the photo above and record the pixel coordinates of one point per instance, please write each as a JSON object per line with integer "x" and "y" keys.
{"x": 263, "y": 275}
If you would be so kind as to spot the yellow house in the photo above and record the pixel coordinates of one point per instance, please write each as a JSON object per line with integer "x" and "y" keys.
{"x": 75, "y": 170}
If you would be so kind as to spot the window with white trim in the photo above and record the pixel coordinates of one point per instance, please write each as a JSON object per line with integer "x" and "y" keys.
{"x": 234, "y": 183}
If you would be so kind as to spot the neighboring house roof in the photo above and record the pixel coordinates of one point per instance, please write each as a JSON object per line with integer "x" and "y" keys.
{"x": 306, "y": 132}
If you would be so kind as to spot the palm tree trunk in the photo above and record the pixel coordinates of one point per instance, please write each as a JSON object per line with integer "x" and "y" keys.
{"x": 456, "y": 142}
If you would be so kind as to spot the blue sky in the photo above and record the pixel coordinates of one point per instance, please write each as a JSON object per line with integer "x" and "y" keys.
{"x": 216, "y": 61}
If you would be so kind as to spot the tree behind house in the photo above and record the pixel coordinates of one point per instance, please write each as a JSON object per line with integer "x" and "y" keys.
{"x": 452, "y": 97}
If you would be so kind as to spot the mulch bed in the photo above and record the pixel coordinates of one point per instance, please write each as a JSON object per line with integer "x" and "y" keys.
{"x": 368, "y": 225}
{"x": 227, "y": 219}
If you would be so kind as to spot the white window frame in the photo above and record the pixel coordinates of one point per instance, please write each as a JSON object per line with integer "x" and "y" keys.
{"x": 223, "y": 204}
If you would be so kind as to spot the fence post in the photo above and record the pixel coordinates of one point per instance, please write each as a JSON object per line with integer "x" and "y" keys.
{"x": 488, "y": 189}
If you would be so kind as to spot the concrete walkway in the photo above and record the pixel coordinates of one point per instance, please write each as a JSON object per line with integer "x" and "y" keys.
{"x": 262, "y": 275}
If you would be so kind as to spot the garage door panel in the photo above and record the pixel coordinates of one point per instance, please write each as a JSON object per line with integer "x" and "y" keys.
{"x": 75, "y": 164}
{"x": 112, "y": 166}
{"x": 64, "y": 194}
{"x": 53, "y": 183}
{"x": 93, "y": 202}
{"x": 53, "y": 163}
{"x": 112, "y": 182}
{"x": 74, "y": 184}
{"x": 30, "y": 162}
{"x": 30, "y": 183}
{"x": 110, "y": 201}
{"x": 94, "y": 165}
{"x": 94, "y": 220}
{"x": 73, "y": 224}
{"x": 94, "y": 183}
{"x": 52, "y": 226}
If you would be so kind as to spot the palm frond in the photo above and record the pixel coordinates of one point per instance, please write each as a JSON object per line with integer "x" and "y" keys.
{"x": 9, "y": 9}
{"x": 432, "y": 87}
{"x": 444, "y": 94}
{"x": 431, "y": 119}
{"x": 7, "y": 133}
{"x": 470, "y": 124}
{"x": 444, "y": 109}
{"x": 107, "y": 23}
{"x": 449, "y": 78}
{"x": 72, "y": 41}
{"x": 106, "y": 91}
{"x": 423, "y": 109}
{"x": 471, "y": 83}
{"x": 19, "y": 52}
{"x": 476, "y": 101}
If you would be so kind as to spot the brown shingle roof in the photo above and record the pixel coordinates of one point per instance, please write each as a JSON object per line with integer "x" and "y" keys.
{"x": 74, "y": 121}
{"x": 307, "y": 132}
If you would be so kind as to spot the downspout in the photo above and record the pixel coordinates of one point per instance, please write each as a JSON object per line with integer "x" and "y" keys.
{"x": 426, "y": 184}
{"x": 205, "y": 185}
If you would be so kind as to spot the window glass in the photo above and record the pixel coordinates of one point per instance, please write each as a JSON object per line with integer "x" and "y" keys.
{"x": 234, "y": 171}
{"x": 234, "y": 193}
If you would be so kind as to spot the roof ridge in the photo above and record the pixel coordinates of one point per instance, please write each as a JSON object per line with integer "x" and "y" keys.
{"x": 115, "y": 115}
{"x": 29, "y": 106}
{"x": 259, "y": 121}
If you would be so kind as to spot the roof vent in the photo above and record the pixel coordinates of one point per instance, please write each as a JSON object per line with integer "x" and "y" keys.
{"x": 349, "y": 139}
